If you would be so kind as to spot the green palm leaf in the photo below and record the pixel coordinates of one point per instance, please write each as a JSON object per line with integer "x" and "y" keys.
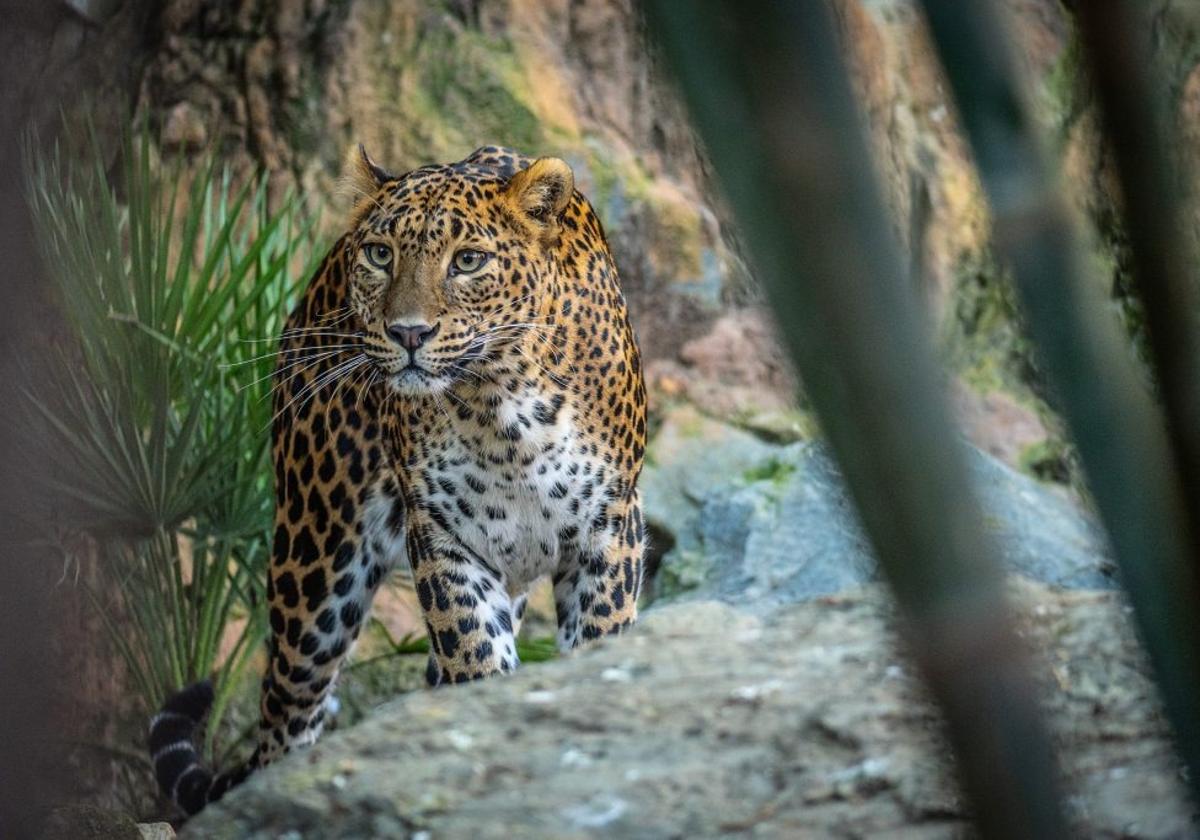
{"x": 157, "y": 417}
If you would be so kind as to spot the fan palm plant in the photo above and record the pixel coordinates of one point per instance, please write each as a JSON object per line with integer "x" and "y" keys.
{"x": 173, "y": 287}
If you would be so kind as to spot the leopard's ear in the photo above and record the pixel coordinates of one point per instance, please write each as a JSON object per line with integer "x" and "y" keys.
{"x": 541, "y": 192}
{"x": 363, "y": 176}
{"x": 361, "y": 179}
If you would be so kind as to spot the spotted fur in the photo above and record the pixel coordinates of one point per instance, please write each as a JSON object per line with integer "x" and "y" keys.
{"x": 459, "y": 391}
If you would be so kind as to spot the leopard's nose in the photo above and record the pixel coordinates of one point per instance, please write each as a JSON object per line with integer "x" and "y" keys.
{"x": 411, "y": 336}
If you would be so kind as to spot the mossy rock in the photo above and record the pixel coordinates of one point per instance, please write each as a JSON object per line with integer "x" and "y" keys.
{"x": 1050, "y": 460}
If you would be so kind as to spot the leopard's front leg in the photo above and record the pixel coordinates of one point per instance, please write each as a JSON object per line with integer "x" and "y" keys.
{"x": 599, "y": 578}
{"x": 469, "y": 614}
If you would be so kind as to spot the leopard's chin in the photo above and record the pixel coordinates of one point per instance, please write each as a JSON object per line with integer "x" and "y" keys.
{"x": 416, "y": 381}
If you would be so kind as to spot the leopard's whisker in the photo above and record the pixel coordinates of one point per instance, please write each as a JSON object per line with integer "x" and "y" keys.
{"x": 338, "y": 374}
{"x": 467, "y": 372}
{"x": 480, "y": 321}
{"x": 557, "y": 379}
{"x": 335, "y": 315}
{"x": 458, "y": 400}
{"x": 524, "y": 326}
{"x": 319, "y": 383}
{"x": 301, "y": 333}
{"x": 289, "y": 354}
{"x": 342, "y": 383}
{"x": 308, "y": 363}
{"x": 369, "y": 383}
{"x": 291, "y": 336}
{"x": 437, "y": 398}
{"x": 459, "y": 369}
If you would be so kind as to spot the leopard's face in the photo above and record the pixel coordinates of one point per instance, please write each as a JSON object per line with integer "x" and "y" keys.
{"x": 448, "y": 276}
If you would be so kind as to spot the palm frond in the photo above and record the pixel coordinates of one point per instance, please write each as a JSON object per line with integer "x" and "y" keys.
{"x": 156, "y": 419}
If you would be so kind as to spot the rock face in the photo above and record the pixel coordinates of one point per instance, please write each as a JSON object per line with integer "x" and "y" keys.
{"x": 292, "y": 85}
{"x": 750, "y": 521}
{"x": 708, "y": 721}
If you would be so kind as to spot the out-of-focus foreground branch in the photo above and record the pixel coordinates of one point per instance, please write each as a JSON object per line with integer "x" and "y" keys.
{"x": 1120, "y": 433}
{"x": 771, "y": 98}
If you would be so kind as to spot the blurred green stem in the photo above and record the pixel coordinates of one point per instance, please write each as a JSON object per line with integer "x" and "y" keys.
{"x": 1118, "y": 429}
{"x": 770, "y": 95}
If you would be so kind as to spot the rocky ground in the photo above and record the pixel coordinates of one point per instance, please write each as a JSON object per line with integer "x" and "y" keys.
{"x": 709, "y": 721}
{"x": 764, "y": 693}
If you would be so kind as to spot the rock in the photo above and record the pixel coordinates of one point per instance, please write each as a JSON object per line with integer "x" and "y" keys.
{"x": 95, "y": 11}
{"x": 89, "y": 822}
{"x": 67, "y": 40}
{"x": 1039, "y": 531}
{"x": 753, "y": 523}
{"x": 156, "y": 831}
{"x": 706, "y": 721}
{"x": 998, "y": 423}
{"x": 688, "y": 455}
{"x": 737, "y": 370}
{"x": 183, "y": 129}
{"x": 742, "y": 348}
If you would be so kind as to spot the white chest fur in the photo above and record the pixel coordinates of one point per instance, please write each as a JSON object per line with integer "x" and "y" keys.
{"x": 518, "y": 488}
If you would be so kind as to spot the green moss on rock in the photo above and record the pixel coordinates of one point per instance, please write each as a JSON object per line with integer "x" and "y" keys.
{"x": 686, "y": 571}
{"x": 1050, "y": 460}
{"x": 983, "y": 335}
{"x": 775, "y": 470}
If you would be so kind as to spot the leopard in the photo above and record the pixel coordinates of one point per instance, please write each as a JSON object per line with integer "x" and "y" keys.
{"x": 459, "y": 395}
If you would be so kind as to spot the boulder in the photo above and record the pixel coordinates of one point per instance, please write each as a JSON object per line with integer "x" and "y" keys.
{"x": 708, "y": 721}
{"x": 758, "y": 524}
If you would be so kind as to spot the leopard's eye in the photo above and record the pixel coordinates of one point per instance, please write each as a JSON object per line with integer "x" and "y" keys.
{"x": 468, "y": 261}
{"x": 378, "y": 254}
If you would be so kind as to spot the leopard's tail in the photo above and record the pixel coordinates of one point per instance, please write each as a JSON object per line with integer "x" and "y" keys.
{"x": 177, "y": 765}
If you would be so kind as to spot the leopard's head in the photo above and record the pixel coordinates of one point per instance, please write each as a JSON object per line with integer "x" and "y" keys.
{"x": 452, "y": 268}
